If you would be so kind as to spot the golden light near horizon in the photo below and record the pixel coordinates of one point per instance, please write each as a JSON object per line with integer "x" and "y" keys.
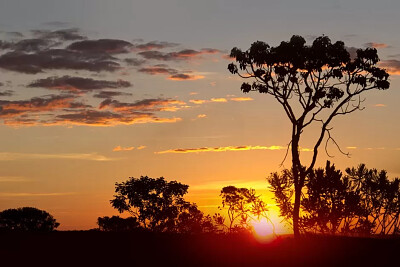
{"x": 263, "y": 230}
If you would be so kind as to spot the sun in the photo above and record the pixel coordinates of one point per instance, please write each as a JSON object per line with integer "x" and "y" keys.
{"x": 263, "y": 230}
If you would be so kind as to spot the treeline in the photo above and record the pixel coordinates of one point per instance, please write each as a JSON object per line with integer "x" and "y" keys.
{"x": 360, "y": 202}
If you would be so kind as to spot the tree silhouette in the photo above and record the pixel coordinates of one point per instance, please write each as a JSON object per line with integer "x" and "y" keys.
{"x": 242, "y": 204}
{"x": 159, "y": 205}
{"x": 117, "y": 224}
{"x": 313, "y": 84}
{"x": 361, "y": 202}
{"x": 27, "y": 219}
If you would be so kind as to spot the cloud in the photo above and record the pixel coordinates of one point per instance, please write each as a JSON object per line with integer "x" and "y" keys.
{"x": 15, "y": 34}
{"x": 78, "y": 84}
{"x": 200, "y": 116}
{"x": 11, "y": 108}
{"x": 151, "y": 104}
{"x": 110, "y": 94}
{"x": 379, "y": 105}
{"x": 158, "y": 69}
{"x": 241, "y": 99}
{"x": 220, "y": 149}
{"x": 33, "y": 63}
{"x": 351, "y": 147}
{"x": 7, "y": 93}
{"x": 375, "y": 45}
{"x": 9, "y": 156}
{"x": 108, "y": 118}
{"x": 64, "y": 34}
{"x": 221, "y": 100}
{"x": 119, "y": 148}
{"x": 184, "y": 77}
{"x": 32, "y": 45}
{"x": 134, "y": 61}
{"x": 176, "y": 56}
{"x": 198, "y": 101}
{"x": 109, "y": 46}
{"x": 141, "y": 147}
{"x": 154, "y": 45}
{"x": 392, "y": 66}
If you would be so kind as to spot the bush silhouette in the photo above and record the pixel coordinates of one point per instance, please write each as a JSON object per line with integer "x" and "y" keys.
{"x": 27, "y": 219}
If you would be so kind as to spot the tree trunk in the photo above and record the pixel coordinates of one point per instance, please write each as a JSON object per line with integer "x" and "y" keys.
{"x": 298, "y": 180}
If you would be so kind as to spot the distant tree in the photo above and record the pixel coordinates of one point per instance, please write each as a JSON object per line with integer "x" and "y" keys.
{"x": 313, "y": 84}
{"x": 27, "y": 219}
{"x": 380, "y": 197}
{"x": 117, "y": 224}
{"x": 159, "y": 205}
{"x": 242, "y": 204}
{"x": 361, "y": 202}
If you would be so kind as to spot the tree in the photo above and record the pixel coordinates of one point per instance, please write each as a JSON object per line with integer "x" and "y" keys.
{"x": 242, "y": 204}
{"x": 158, "y": 205}
{"x": 360, "y": 202}
{"x": 27, "y": 219}
{"x": 313, "y": 84}
{"x": 117, "y": 224}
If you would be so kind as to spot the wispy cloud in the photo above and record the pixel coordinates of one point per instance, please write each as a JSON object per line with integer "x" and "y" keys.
{"x": 120, "y": 148}
{"x": 12, "y": 179}
{"x": 392, "y": 66}
{"x": 6, "y": 156}
{"x": 241, "y": 99}
{"x": 375, "y": 45}
{"x": 379, "y": 105}
{"x": 220, "y": 149}
{"x": 200, "y": 116}
{"x": 220, "y": 99}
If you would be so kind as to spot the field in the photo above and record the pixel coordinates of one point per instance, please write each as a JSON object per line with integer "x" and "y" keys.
{"x": 90, "y": 248}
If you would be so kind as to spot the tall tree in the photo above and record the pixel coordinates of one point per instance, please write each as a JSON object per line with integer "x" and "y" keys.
{"x": 313, "y": 84}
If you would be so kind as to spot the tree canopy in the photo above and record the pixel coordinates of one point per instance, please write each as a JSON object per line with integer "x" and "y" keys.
{"x": 313, "y": 84}
{"x": 27, "y": 219}
{"x": 158, "y": 205}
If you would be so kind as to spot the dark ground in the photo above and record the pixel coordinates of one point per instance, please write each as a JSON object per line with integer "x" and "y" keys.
{"x": 91, "y": 248}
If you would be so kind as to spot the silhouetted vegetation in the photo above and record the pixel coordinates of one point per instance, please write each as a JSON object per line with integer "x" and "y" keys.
{"x": 159, "y": 206}
{"x": 27, "y": 219}
{"x": 314, "y": 84}
{"x": 117, "y": 224}
{"x": 361, "y": 202}
{"x": 243, "y": 204}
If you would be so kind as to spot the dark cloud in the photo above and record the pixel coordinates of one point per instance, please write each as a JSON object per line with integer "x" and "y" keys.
{"x": 184, "y": 76}
{"x": 154, "y": 104}
{"x": 158, "y": 69}
{"x": 109, "y": 46}
{"x": 78, "y": 84}
{"x": 6, "y": 92}
{"x": 155, "y": 45}
{"x": 5, "y": 45}
{"x": 56, "y": 59}
{"x": 32, "y": 45}
{"x": 134, "y": 61}
{"x": 110, "y": 94}
{"x": 175, "y": 56}
{"x": 11, "y": 108}
{"x": 64, "y": 34}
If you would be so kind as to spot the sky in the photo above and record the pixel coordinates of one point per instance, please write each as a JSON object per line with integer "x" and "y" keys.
{"x": 94, "y": 92}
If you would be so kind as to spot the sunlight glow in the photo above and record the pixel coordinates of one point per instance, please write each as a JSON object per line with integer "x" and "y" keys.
{"x": 263, "y": 230}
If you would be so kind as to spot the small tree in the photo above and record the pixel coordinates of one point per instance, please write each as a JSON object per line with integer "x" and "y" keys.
{"x": 313, "y": 84}
{"x": 242, "y": 204}
{"x": 27, "y": 219}
{"x": 157, "y": 205}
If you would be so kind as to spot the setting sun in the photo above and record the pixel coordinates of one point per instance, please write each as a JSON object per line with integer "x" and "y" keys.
{"x": 263, "y": 229}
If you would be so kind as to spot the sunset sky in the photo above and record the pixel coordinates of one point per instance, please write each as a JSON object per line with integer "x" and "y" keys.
{"x": 94, "y": 91}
